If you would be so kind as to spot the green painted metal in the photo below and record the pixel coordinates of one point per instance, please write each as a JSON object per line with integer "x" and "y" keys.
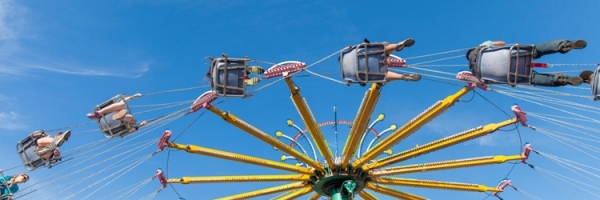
{"x": 337, "y": 195}
{"x": 341, "y": 185}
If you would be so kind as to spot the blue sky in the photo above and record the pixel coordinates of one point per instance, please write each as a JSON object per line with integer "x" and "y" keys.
{"x": 59, "y": 59}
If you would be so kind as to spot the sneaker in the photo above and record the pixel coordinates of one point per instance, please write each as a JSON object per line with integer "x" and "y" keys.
{"x": 256, "y": 70}
{"x": 62, "y": 138}
{"x": 579, "y": 44}
{"x": 570, "y": 45}
{"x": 119, "y": 115}
{"x": 252, "y": 81}
{"x": 411, "y": 77}
{"x": 93, "y": 115}
{"x": 574, "y": 80}
{"x": 406, "y": 43}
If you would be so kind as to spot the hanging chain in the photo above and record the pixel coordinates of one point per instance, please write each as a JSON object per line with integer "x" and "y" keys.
{"x": 69, "y": 127}
{"x": 175, "y": 90}
{"x": 435, "y": 54}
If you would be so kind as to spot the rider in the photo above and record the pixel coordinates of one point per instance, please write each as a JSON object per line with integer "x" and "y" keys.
{"x": 249, "y": 70}
{"x": 8, "y": 184}
{"x": 47, "y": 147}
{"x": 122, "y": 113}
{"x": 587, "y": 76}
{"x": 551, "y": 47}
{"x": 388, "y": 49}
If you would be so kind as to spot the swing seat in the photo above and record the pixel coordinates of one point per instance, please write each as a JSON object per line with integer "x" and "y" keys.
{"x": 203, "y": 100}
{"x": 228, "y": 76}
{"x": 111, "y": 128}
{"x": 594, "y": 83}
{"x": 287, "y": 67}
{"x": 26, "y": 150}
{"x": 506, "y": 65}
{"x": 364, "y": 63}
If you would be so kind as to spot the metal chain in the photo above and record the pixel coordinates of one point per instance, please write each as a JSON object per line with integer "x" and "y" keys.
{"x": 512, "y": 95}
{"x": 263, "y": 62}
{"x": 119, "y": 176}
{"x": 131, "y": 166}
{"x": 69, "y": 127}
{"x": 445, "y": 65}
{"x": 88, "y": 167}
{"x": 175, "y": 90}
{"x": 441, "y": 59}
{"x": 571, "y": 65}
{"x": 129, "y": 187}
{"x": 160, "y": 108}
{"x": 323, "y": 59}
{"x": 435, "y": 54}
{"x": 160, "y": 104}
{"x": 93, "y": 156}
{"x": 325, "y": 77}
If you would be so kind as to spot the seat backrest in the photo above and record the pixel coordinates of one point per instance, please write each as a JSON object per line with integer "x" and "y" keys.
{"x": 364, "y": 63}
{"x": 110, "y": 127}
{"x": 595, "y": 84}
{"x": 496, "y": 64}
{"x": 26, "y": 150}
{"x": 227, "y": 76}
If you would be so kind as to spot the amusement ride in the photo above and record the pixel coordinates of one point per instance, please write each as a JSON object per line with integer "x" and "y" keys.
{"x": 366, "y": 164}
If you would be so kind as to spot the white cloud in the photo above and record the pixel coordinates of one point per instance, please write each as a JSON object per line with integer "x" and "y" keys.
{"x": 10, "y": 121}
{"x": 16, "y": 59}
{"x": 123, "y": 72}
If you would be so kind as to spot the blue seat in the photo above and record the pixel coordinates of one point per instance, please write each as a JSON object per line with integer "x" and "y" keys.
{"x": 595, "y": 84}
{"x": 364, "y": 63}
{"x": 506, "y": 65}
{"x": 26, "y": 150}
{"x": 111, "y": 128}
{"x": 227, "y": 76}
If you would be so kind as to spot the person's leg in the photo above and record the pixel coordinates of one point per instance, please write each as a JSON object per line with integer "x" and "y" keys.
{"x": 252, "y": 81}
{"x": 398, "y": 46}
{"x": 557, "y": 46}
{"x": 256, "y": 70}
{"x": 45, "y": 141}
{"x": 108, "y": 109}
{"x": 392, "y": 76}
{"x": 45, "y": 147}
{"x": 554, "y": 79}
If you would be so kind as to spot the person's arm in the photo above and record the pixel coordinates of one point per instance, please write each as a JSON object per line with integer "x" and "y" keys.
{"x": 498, "y": 43}
{"x": 138, "y": 127}
{"x": 131, "y": 97}
{"x": 490, "y": 43}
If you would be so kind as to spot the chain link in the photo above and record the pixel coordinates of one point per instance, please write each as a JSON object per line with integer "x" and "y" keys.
{"x": 175, "y": 90}
{"x": 69, "y": 127}
{"x": 435, "y": 54}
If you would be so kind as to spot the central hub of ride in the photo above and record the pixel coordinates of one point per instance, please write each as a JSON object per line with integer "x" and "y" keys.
{"x": 339, "y": 183}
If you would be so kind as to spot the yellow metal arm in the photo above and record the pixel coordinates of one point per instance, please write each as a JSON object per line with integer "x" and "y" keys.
{"x": 266, "y": 191}
{"x": 297, "y": 193}
{"x": 234, "y": 179}
{"x": 411, "y": 127}
{"x": 315, "y": 196}
{"x": 265, "y": 137}
{"x": 439, "y": 144}
{"x": 435, "y": 184}
{"x": 359, "y": 124}
{"x": 367, "y": 195}
{"x": 393, "y": 193}
{"x": 278, "y": 197}
{"x": 451, "y": 164}
{"x": 241, "y": 158}
{"x": 311, "y": 124}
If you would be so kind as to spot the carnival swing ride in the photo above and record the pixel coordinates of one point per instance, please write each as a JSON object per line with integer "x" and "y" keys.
{"x": 366, "y": 165}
